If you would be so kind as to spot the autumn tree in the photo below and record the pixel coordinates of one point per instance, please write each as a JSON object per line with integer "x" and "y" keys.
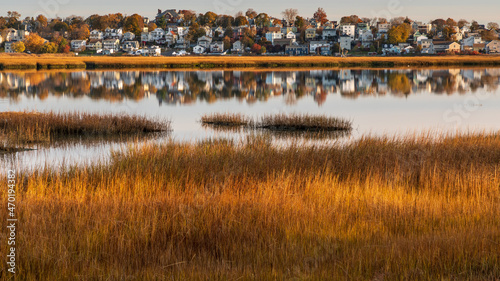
{"x": 300, "y": 22}
{"x": 241, "y": 20}
{"x": 41, "y": 22}
{"x": 33, "y": 43}
{"x": 320, "y": 16}
{"x": 289, "y": 15}
{"x": 227, "y": 43}
{"x": 399, "y": 34}
{"x": 13, "y": 19}
{"x": 474, "y": 25}
{"x": 209, "y": 18}
{"x": 80, "y": 32}
{"x": 256, "y": 48}
{"x": 262, "y": 20}
{"x": 49, "y": 48}
{"x": 189, "y": 17}
{"x": 462, "y": 23}
{"x": 439, "y": 23}
{"x": 134, "y": 24}
{"x": 353, "y": 19}
{"x": 18, "y": 47}
{"x": 493, "y": 25}
{"x": 225, "y": 21}
{"x": 152, "y": 26}
{"x": 250, "y": 13}
{"x": 451, "y": 22}
{"x": 489, "y": 35}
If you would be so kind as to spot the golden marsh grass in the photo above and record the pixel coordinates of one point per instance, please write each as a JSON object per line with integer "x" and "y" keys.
{"x": 374, "y": 209}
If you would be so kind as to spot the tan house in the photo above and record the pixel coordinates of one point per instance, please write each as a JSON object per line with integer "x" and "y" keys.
{"x": 310, "y": 33}
{"x": 446, "y": 47}
{"x": 493, "y": 47}
{"x": 111, "y": 44}
{"x": 94, "y": 45}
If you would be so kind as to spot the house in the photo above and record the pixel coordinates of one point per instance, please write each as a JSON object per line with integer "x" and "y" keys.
{"x": 128, "y": 36}
{"x": 130, "y": 46}
{"x": 157, "y": 34}
{"x": 479, "y": 47}
{"x": 345, "y": 42}
{"x": 349, "y": 30}
{"x": 152, "y": 51}
{"x": 329, "y": 34}
{"x": 94, "y": 45}
{"x": 219, "y": 31}
{"x": 11, "y": 34}
{"x": 424, "y": 28}
{"x": 96, "y": 35}
{"x": 146, "y": 37}
{"x": 314, "y": 45}
{"x": 391, "y": 50}
{"x": 383, "y": 27}
{"x": 111, "y": 44}
{"x": 446, "y": 47}
{"x": 170, "y": 15}
{"x": 8, "y": 47}
{"x": 296, "y": 50}
{"x": 362, "y": 28}
{"x": 170, "y": 38}
{"x": 283, "y": 42}
{"x": 366, "y": 38}
{"x": 493, "y": 47}
{"x": 272, "y": 35}
{"x": 238, "y": 47}
{"x": 291, "y": 35}
{"x": 204, "y": 41}
{"x": 199, "y": 49}
{"x": 78, "y": 45}
{"x": 468, "y": 43}
{"x": 457, "y": 37}
{"x": 112, "y": 33}
{"x": 217, "y": 47}
{"x": 310, "y": 33}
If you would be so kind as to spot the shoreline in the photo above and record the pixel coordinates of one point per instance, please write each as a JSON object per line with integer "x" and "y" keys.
{"x": 44, "y": 62}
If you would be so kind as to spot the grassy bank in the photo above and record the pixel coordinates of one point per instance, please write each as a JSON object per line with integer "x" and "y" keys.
{"x": 278, "y": 122}
{"x": 375, "y": 209}
{"x": 22, "y": 61}
{"x": 34, "y": 127}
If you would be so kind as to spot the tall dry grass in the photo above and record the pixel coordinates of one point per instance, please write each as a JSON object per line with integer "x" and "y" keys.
{"x": 34, "y": 127}
{"x": 376, "y": 209}
{"x": 59, "y": 62}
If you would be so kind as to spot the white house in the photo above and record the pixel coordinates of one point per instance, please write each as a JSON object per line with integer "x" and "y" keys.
{"x": 270, "y": 36}
{"x": 128, "y": 36}
{"x": 8, "y": 47}
{"x": 205, "y": 41}
{"x": 112, "y": 33}
{"x": 157, "y": 34}
{"x": 345, "y": 42}
{"x": 329, "y": 33}
{"x": 313, "y": 45}
{"x": 366, "y": 38}
{"x": 170, "y": 38}
{"x": 238, "y": 47}
{"x": 217, "y": 47}
{"x": 96, "y": 35}
{"x": 111, "y": 44}
{"x": 349, "y": 30}
{"x": 78, "y": 45}
{"x": 199, "y": 49}
{"x": 152, "y": 51}
{"x": 10, "y": 34}
{"x": 130, "y": 46}
{"x": 146, "y": 37}
{"x": 383, "y": 27}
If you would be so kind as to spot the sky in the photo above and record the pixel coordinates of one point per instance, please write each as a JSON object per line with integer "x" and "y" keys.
{"x": 483, "y": 11}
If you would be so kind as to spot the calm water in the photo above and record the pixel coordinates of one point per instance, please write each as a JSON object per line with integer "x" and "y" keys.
{"x": 379, "y": 102}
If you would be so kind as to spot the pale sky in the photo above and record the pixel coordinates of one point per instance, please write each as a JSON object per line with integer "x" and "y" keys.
{"x": 483, "y": 11}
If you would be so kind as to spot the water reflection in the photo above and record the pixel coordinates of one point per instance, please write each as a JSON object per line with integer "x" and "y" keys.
{"x": 187, "y": 87}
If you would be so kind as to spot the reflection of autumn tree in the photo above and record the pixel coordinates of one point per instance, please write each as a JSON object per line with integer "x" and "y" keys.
{"x": 399, "y": 83}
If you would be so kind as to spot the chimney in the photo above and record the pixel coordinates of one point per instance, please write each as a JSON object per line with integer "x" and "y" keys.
{"x": 159, "y": 11}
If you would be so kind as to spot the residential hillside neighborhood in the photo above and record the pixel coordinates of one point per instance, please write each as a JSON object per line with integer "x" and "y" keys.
{"x": 183, "y": 32}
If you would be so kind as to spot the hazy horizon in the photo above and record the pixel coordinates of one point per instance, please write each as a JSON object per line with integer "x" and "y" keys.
{"x": 483, "y": 11}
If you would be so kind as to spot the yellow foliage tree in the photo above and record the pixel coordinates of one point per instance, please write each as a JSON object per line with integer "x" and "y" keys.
{"x": 34, "y": 43}
{"x": 18, "y": 47}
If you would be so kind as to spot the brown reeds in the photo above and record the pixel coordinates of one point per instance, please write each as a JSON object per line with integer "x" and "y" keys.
{"x": 279, "y": 122}
{"x": 35, "y": 127}
{"x": 409, "y": 208}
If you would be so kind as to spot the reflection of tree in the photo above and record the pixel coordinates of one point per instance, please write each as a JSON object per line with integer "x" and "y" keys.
{"x": 250, "y": 86}
{"x": 399, "y": 84}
